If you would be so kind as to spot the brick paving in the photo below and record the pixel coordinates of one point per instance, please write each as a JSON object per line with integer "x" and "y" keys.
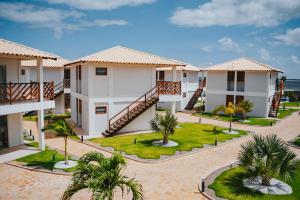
{"x": 173, "y": 179}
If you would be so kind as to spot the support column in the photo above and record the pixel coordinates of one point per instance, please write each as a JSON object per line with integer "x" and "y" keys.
{"x": 40, "y": 80}
{"x": 173, "y": 103}
{"x": 235, "y": 85}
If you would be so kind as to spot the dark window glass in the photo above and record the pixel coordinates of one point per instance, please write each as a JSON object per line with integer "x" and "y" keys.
{"x": 22, "y": 71}
{"x": 161, "y": 75}
{"x": 100, "y": 110}
{"x": 184, "y": 94}
{"x": 229, "y": 98}
{"x": 239, "y": 99}
{"x": 101, "y": 71}
{"x": 184, "y": 75}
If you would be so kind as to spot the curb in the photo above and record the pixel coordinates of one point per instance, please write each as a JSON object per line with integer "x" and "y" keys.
{"x": 38, "y": 170}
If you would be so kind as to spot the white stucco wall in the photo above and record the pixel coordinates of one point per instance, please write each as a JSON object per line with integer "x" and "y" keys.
{"x": 217, "y": 81}
{"x": 50, "y": 74}
{"x": 12, "y": 69}
{"x": 15, "y": 129}
{"x": 259, "y": 109}
{"x": 214, "y": 100}
{"x": 256, "y": 82}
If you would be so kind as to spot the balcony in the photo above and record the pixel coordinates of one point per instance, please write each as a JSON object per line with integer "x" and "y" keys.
{"x": 169, "y": 87}
{"x": 11, "y": 93}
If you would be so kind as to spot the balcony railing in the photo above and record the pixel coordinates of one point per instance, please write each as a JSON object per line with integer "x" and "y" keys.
{"x": 67, "y": 83}
{"x": 169, "y": 87}
{"x": 24, "y": 92}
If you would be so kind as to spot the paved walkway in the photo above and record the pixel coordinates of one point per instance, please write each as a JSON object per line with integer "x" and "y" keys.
{"x": 173, "y": 179}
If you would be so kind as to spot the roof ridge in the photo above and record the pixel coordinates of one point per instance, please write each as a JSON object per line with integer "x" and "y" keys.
{"x": 150, "y": 54}
{"x": 27, "y": 47}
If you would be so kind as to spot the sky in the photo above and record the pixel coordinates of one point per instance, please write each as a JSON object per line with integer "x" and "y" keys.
{"x": 198, "y": 32}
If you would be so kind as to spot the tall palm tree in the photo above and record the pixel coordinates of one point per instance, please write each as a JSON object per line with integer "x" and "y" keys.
{"x": 165, "y": 124}
{"x": 102, "y": 176}
{"x": 61, "y": 128}
{"x": 267, "y": 157}
{"x": 245, "y": 107}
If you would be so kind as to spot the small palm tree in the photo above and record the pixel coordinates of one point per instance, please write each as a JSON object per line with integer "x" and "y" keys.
{"x": 230, "y": 110}
{"x": 61, "y": 128}
{"x": 245, "y": 107}
{"x": 165, "y": 124}
{"x": 102, "y": 176}
{"x": 267, "y": 157}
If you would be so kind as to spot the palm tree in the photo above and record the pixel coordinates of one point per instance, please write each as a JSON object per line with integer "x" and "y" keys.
{"x": 165, "y": 124}
{"x": 245, "y": 107}
{"x": 61, "y": 128}
{"x": 102, "y": 176}
{"x": 228, "y": 110}
{"x": 267, "y": 157}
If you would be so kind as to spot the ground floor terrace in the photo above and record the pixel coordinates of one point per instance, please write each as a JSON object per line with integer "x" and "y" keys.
{"x": 176, "y": 178}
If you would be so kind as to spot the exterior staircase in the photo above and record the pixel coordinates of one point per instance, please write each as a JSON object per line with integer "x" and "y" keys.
{"x": 195, "y": 96}
{"x": 131, "y": 112}
{"x": 275, "y": 105}
{"x": 194, "y": 99}
{"x": 59, "y": 88}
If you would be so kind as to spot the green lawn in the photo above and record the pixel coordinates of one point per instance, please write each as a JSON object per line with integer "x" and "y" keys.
{"x": 43, "y": 158}
{"x": 229, "y": 185}
{"x": 253, "y": 120}
{"x": 34, "y": 117}
{"x": 291, "y": 104}
{"x": 190, "y": 136}
{"x": 284, "y": 113}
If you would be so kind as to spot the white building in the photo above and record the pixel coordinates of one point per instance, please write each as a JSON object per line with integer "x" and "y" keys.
{"x": 239, "y": 79}
{"x": 18, "y": 95}
{"x": 189, "y": 76}
{"x": 115, "y": 90}
{"x": 53, "y": 71}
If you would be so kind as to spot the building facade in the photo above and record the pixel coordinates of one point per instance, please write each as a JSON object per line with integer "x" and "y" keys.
{"x": 18, "y": 95}
{"x": 240, "y": 79}
{"x": 189, "y": 76}
{"x": 55, "y": 71}
{"x": 114, "y": 90}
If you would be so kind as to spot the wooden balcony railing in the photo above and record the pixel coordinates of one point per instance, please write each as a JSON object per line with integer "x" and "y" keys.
{"x": 169, "y": 87}
{"x": 67, "y": 83}
{"x": 21, "y": 92}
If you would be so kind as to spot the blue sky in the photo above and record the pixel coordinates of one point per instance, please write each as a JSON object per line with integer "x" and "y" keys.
{"x": 198, "y": 32}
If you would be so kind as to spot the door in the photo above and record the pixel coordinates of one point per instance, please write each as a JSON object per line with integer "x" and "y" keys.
{"x": 3, "y": 132}
{"x": 2, "y": 82}
{"x": 229, "y": 99}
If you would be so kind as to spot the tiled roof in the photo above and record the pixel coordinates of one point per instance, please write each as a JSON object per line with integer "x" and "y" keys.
{"x": 60, "y": 62}
{"x": 124, "y": 55}
{"x": 188, "y": 67}
{"x": 242, "y": 64}
{"x": 11, "y": 48}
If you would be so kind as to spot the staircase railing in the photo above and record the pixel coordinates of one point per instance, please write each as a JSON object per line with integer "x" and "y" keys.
{"x": 61, "y": 86}
{"x": 169, "y": 87}
{"x": 153, "y": 93}
{"x": 21, "y": 92}
{"x": 67, "y": 83}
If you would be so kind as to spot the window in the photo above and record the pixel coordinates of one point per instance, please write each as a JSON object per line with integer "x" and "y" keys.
{"x": 238, "y": 99}
{"x": 101, "y": 71}
{"x": 230, "y": 80}
{"x": 22, "y": 71}
{"x": 184, "y": 94}
{"x": 161, "y": 76}
{"x": 229, "y": 98}
{"x": 100, "y": 110}
{"x": 184, "y": 75}
{"x": 240, "y": 86}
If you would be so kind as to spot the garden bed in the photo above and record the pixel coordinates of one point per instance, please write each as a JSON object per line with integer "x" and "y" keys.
{"x": 229, "y": 185}
{"x": 251, "y": 120}
{"x": 188, "y": 137}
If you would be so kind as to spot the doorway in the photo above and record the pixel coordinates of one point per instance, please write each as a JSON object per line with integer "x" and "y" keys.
{"x": 3, "y": 132}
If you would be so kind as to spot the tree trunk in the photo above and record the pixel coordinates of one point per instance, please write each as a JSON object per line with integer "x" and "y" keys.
{"x": 245, "y": 117}
{"x": 265, "y": 181}
{"x": 165, "y": 140}
{"x": 66, "y": 154}
{"x": 230, "y": 123}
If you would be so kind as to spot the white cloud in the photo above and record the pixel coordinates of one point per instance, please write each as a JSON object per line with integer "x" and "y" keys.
{"x": 264, "y": 54}
{"x": 55, "y": 20}
{"x": 227, "y": 44}
{"x": 101, "y": 4}
{"x": 262, "y": 13}
{"x": 291, "y": 37}
{"x": 295, "y": 59}
{"x": 206, "y": 48}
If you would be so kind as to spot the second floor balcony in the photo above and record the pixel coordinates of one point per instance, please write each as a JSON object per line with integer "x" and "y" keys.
{"x": 11, "y": 93}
